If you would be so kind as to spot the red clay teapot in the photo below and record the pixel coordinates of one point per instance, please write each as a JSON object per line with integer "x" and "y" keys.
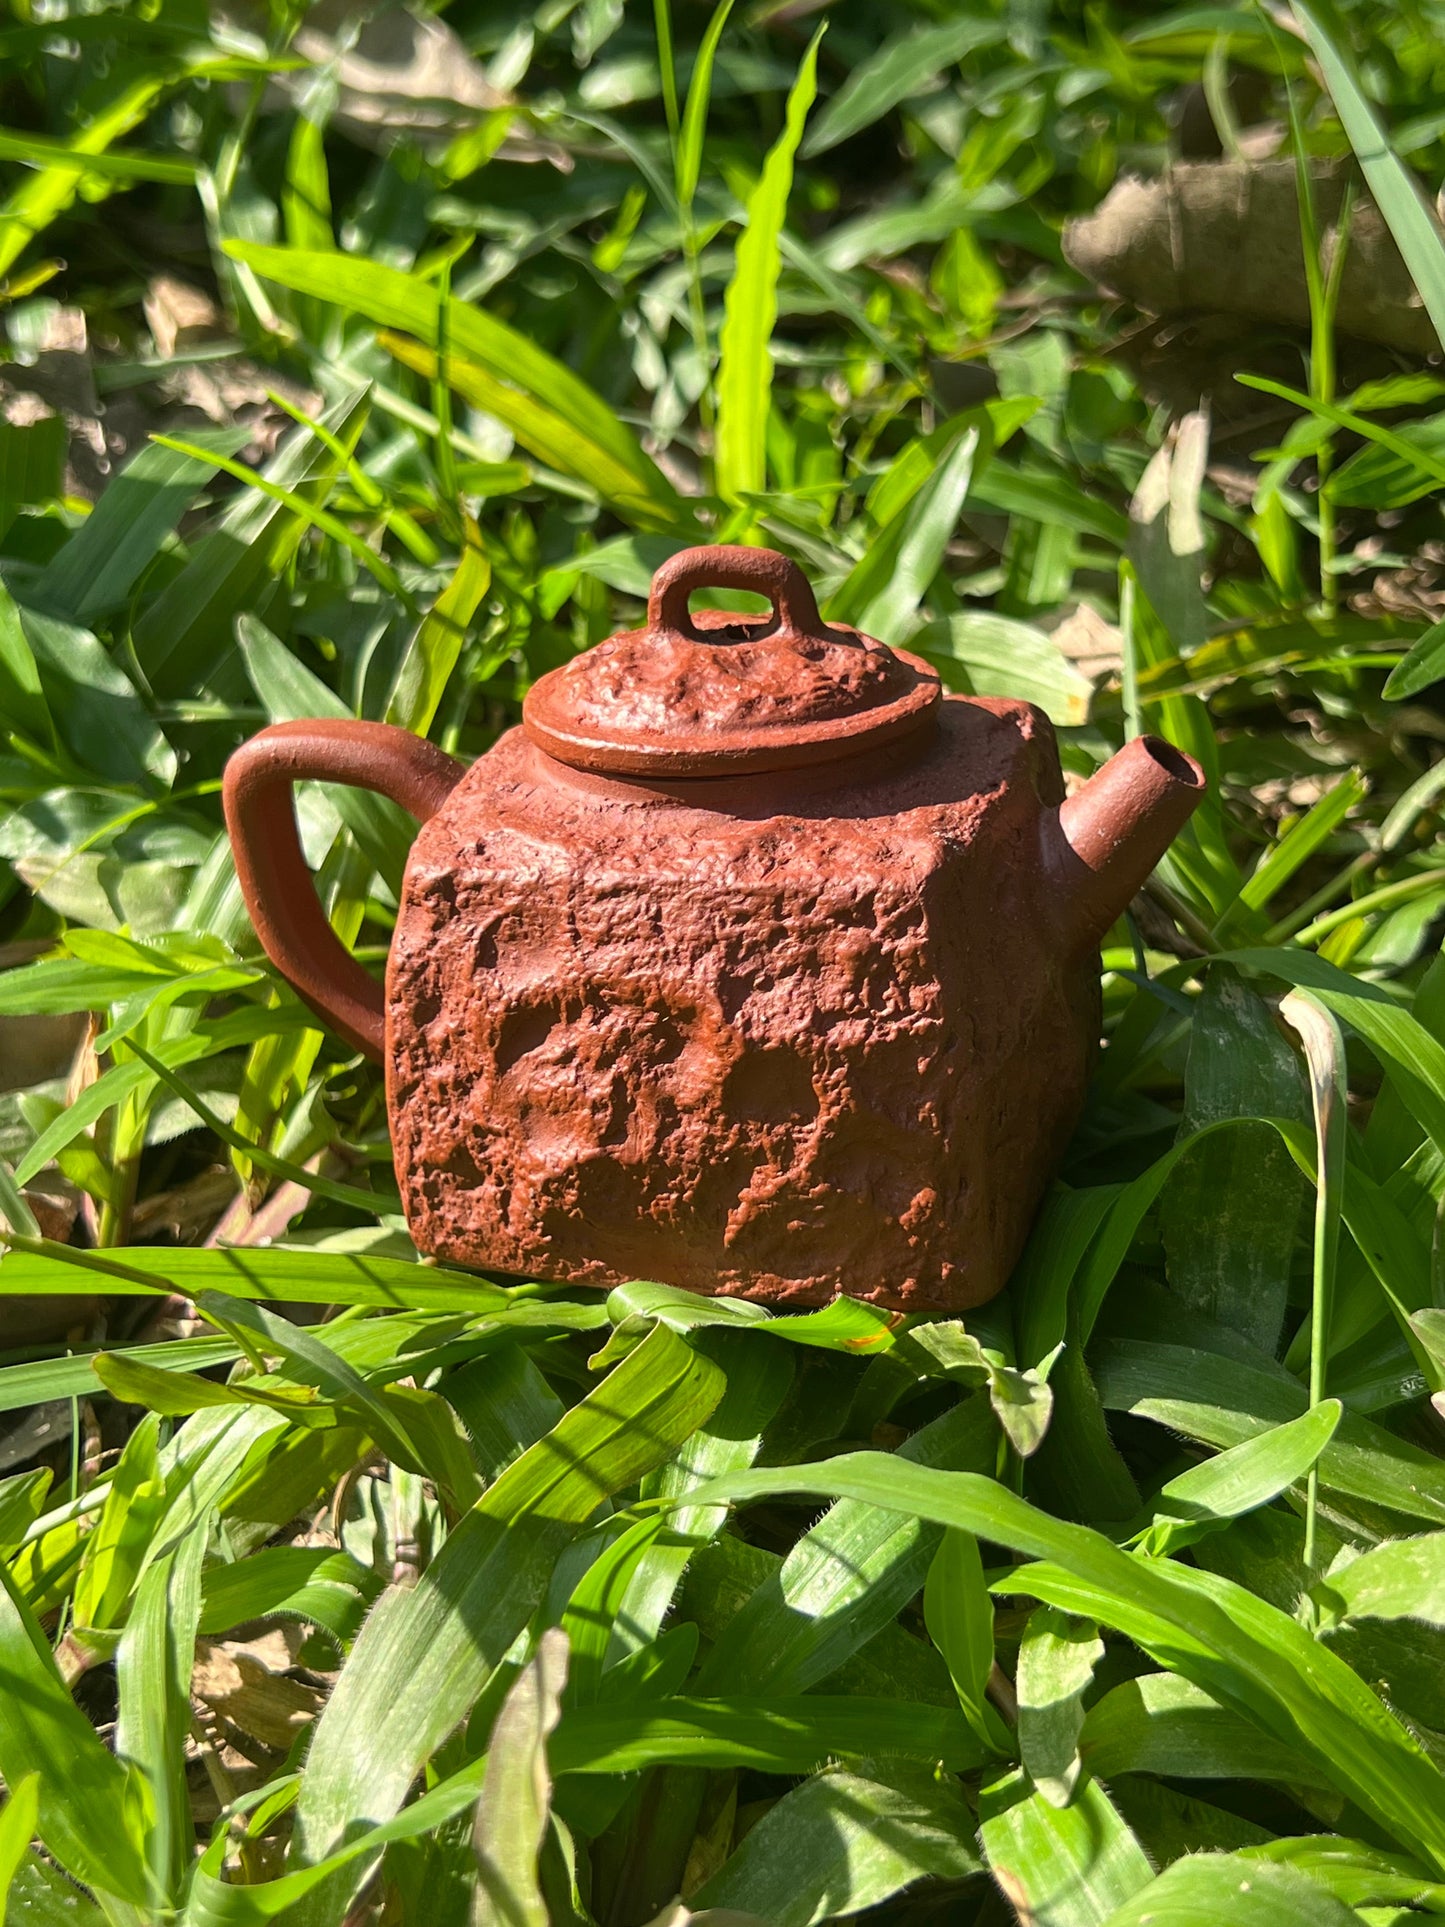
{"x": 751, "y": 962}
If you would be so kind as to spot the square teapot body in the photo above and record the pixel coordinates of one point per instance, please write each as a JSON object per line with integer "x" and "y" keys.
{"x": 747, "y": 964}
{"x": 782, "y": 1042}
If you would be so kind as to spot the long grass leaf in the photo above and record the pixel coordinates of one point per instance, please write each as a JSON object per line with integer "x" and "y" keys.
{"x": 18, "y": 1821}
{"x": 300, "y": 1276}
{"x": 153, "y": 1674}
{"x": 1246, "y": 1892}
{"x": 882, "y": 593}
{"x": 745, "y": 358}
{"x": 514, "y": 1807}
{"x": 1222, "y": 1402}
{"x": 900, "y": 68}
{"x": 85, "y": 1792}
{"x": 1070, "y": 1865}
{"x": 768, "y": 1734}
{"x": 97, "y": 568}
{"x": 694, "y": 115}
{"x": 541, "y": 388}
{"x": 1238, "y": 1648}
{"x": 1396, "y": 193}
{"x": 842, "y": 1843}
{"x": 42, "y": 197}
{"x": 187, "y": 630}
{"x": 424, "y": 1654}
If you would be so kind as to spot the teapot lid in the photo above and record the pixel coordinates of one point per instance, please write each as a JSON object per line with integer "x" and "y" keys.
{"x": 714, "y": 693}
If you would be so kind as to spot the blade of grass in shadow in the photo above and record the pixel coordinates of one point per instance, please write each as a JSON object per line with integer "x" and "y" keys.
{"x": 900, "y": 68}
{"x": 1324, "y": 1049}
{"x": 182, "y": 635}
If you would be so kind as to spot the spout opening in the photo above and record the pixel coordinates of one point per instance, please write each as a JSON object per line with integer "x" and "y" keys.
{"x": 1173, "y": 762}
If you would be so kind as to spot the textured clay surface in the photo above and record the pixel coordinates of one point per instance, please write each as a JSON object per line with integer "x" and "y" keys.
{"x": 786, "y": 1037}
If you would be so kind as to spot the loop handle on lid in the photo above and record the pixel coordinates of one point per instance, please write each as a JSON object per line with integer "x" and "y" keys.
{"x": 724, "y": 565}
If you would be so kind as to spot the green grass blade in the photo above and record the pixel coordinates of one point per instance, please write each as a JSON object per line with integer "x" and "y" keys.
{"x": 100, "y": 564}
{"x": 694, "y": 117}
{"x": 1243, "y": 1651}
{"x": 515, "y": 1803}
{"x": 1070, "y": 1866}
{"x": 100, "y": 716}
{"x": 35, "y": 150}
{"x": 1244, "y": 1476}
{"x": 1422, "y": 665}
{"x": 22, "y": 690}
{"x": 85, "y": 1792}
{"x": 306, "y": 197}
{"x": 846, "y": 1325}
{"x": 1396, "y": 194}
{"x": 745, "y": 358}
{"x": 769, "y": 1735}
{"x": 1204, "y": 1889}
{"x": 1229, "y": 1215}
{"x": 309, "y": 513}
{"x": 359, "y": 1200}
{"x": 1324, "y": 1050}
{"x": 216, "y": 1902}
{"x": 304, "y": 1277}
{"x": 1222, "y": 1402}
{"x": 900, "y": 68}
{"x": 1163, "y": 1725}
{"x": 153, "y": 1678}
{"x": 841, "y": 1843}
{"x": 183, "y": 635}
{"x": 545, "y": 431}
{"x": 22, "y": 1498}
{"x": 1303, "y": 838}
{"x": 1057, "y": 1658}
{"x": 309, "y": 1583}
{"x": 882, "y": 593}
{"x": 1001, "y": 657}
{"x": 424, "y": 1654}
{"x": 18, "y": 1820}
{"x": 1414, "y": 1058}
{"x": 958, "y": 1612}
{"x": 1402, "y": 1579}
{"x": 667, "y": 63}
{"x": 425, "y": 670}
{"x": 542, "y": 390}
{"x": 848, "y": 1577}
{"x": 42, "y": 197}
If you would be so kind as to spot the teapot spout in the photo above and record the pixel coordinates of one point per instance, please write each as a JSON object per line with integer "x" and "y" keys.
{"x": 1118, "y": 826}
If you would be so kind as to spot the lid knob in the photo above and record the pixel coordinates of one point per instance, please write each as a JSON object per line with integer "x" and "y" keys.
{"x": 718, "y": 693}
{"x": 729, "y": 566}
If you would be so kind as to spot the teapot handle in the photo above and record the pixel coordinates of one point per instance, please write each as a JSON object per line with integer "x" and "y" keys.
{"x": 274, "y": 879}
{"x": 724, "y": 565}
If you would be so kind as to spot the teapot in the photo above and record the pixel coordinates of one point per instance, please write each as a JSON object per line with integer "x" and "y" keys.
{"x": 750, "y": 962}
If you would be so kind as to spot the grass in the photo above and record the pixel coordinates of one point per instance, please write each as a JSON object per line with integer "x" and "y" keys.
{"x": 341, "y": 1589}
